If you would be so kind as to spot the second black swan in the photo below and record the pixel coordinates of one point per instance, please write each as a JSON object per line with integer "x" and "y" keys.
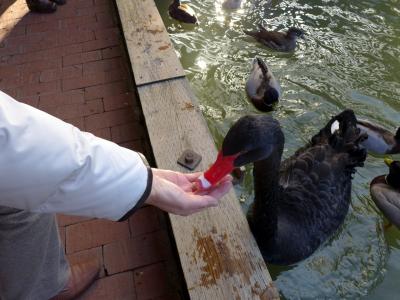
{"x": 300, "y": 202}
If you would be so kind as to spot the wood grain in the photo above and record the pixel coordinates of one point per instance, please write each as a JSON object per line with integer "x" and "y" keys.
{"x": 218, "y": 253}
{"x": 219, "y": 256}
{"x": 149, "y": 46}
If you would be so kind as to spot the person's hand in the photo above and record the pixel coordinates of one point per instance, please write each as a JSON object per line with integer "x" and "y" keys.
{"x": 172, "y": 192}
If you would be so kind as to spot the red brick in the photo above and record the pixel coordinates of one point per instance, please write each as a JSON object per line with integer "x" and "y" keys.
{"x": 94, "y": 233}
{"x": 40, "y": 88}
{"x": 75, "y": 36}
{"x": 10, "y": 50}
{"x": 71, "y": 111}
{"x": 127, "y": 132}
{"x": 67, "y": 72}
{"x": 10, "y": 82}
{"x": 93, "y": 254}
{"x": 83, "y": 81}
{"x": 106, "y": 90}
{"x": 77, "y": 122}
{"x": 76, "y": 22}
{"x": 31, "y": 100}
{"x": 108, "y": 34}
{"x": 102, "y": 65}
{"x": 109, "y": 119}
{"x": 43, "y": 27}
{"x": 112, "y": 52}
{"x": 145, "y": 220}
{"x": 119, "y": 286}
{"x": 58, "y": 99}
{"x": 41, "y": 65}
{"x": 136, "y": 145}
{"x": 106, "y": 18}
{"x": 80, "y": 58}
{"x": 152, "y": 282}
{"x": 104, "y": 133}
{"x": 132, "y": 253}
{"x": 100, "y": 44}
{"x": 65, "y": 220}
{"x": 118, "y": 101}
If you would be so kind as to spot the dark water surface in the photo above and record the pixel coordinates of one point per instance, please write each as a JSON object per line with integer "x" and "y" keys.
{"x": 349, "y": 59}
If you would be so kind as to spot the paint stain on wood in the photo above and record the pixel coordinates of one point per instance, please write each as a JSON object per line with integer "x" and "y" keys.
{"x": 163, "y": 47}
{"x": 188, "y": 106}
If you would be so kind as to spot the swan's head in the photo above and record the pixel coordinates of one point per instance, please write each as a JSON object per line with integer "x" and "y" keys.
{"x": 393, "y": 178}
{"x": 252, "y": 138}
{"x": 295, "y": 32}
{"x": 397, "y": 135}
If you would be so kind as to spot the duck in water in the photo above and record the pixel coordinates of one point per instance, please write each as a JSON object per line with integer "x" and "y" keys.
{"x": 262, "y": 88}
{"x": 300, "y": 202}
{"x": 182, "y": 12}
{"x": 380, "y": 140}
{"x": 232, "y": 4}
{"x": 279, "y": 41}
{"x": 385, "y": 191}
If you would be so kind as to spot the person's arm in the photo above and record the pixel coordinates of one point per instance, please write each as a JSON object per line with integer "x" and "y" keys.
{"x": 49, "y": 166}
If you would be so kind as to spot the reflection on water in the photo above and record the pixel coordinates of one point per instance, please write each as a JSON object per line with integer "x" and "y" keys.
{"x": 349, "y": 59}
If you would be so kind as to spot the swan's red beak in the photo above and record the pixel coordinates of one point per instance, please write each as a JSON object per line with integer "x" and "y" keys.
{"x": 219, "y": 169}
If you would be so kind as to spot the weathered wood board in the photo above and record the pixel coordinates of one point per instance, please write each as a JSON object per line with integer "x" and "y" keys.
{"x": 150, "y": 49}
{"x": 219, "y": 256}
{"x": 218, "y": 253}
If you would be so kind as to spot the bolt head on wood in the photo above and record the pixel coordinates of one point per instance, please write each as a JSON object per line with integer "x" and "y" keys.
{"x": 189, "y": 159}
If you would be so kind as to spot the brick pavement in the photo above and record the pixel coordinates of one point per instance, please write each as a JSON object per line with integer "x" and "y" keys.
{"x": 73, "y": 65}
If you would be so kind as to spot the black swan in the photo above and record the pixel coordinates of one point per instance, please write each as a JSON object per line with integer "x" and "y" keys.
{"x": 385, "y": 191}
{"x": 380, "y": 140}
{"x": 285, "y": 42}
{"x": 261, "y": 87}
{"x": 302, "y": 201}
{"x": 182, "y": 12}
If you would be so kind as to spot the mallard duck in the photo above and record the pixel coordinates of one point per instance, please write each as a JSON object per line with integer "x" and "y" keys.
{"x": 300, "y": 202}
{"x": 182, "y": 12}
{"x": 262, "y": 88}
{"x": 231, "y": 4}
{"x": 380, "y": 140}
{"x": 279, "y": 41}
{"x": 385, "y": 191}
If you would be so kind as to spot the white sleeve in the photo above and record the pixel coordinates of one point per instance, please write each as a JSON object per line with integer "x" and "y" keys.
{"x": 49, "y": 166}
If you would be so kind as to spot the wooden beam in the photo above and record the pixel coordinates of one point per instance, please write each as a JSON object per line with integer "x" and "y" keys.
{"x": 150, "y": 49}
{"x": 219, "y": 256}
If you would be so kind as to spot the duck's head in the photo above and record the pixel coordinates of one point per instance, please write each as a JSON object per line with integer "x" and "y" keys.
{"x": 253, "y": 138}
{"x": 385, "y": 192}
{"x": 393, "y": 178}
{"x": 295, "y": 32}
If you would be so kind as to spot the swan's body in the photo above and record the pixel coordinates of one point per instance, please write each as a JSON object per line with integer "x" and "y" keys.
{"x": 280, "y": 41}
{"x": 182, "y": 12}
{"x": 380, "y": 140}
{"x": 300, "y": 203}
{"x": 385, "y": 191}
{"x": 261, "y": 87}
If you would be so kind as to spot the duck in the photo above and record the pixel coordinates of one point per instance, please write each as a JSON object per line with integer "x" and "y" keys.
{"x": 299, "y": 202}
{"x": 232, "y": 4}
{"x": 385, "y": 192}
{"x": 182, "y": 12}
{"x": 279, "y": 41}
{"x": 380, "y": 140}
{"x": 262, "y": 88}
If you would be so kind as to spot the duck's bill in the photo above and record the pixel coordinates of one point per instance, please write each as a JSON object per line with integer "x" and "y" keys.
{"x": 388, "y": 161}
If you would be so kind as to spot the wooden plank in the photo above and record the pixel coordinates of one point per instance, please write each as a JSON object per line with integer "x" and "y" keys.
{"x": 219, "y": 256}
{"x": 149, "y": 46}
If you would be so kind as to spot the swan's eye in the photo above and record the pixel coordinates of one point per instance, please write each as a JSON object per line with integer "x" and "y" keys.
{"x": 335, "y": 126}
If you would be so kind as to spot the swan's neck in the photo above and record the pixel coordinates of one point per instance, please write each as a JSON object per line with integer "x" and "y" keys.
{"x": 267, "y": 193}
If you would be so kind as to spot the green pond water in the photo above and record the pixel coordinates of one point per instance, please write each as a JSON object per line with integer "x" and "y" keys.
{"x": 349, "y": 59}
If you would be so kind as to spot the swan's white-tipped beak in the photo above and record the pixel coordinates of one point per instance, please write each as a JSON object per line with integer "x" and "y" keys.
{"x": 335, "y": 126}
